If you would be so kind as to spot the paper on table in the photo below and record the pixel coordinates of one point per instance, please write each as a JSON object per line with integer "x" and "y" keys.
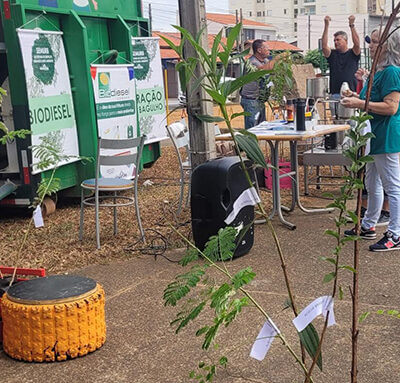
{"x": 320, "y": 306}
{"x": 264, "y": 340}
{"x": 37, "y": 217}
{"x": 248, "y": 198}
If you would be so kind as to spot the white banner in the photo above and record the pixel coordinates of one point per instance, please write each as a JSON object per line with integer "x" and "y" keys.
{"x": 51, "y": 109}
{"x": 150, "y": 88}
{"x": 115, "y": 98}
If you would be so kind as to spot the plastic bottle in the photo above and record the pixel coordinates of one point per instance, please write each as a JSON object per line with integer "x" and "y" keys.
{"x": 300, "y": 114}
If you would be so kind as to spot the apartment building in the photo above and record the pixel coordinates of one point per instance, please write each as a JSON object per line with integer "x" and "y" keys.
{"x": 284, "y": 14}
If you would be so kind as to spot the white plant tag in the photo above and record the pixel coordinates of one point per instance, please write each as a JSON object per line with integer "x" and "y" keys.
{"x": 37, "y": 217}
{"x": 248, "y": 198}
{"x": 320, "y": 306}
{"x": 264, "y": 340}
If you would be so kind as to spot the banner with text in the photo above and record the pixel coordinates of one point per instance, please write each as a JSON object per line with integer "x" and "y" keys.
{"x": 115, "y": 99}
{"x": 51, "y": 109}
{"x": 150, "y": 88}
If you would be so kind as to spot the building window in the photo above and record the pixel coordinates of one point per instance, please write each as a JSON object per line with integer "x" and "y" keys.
{"x": 269, "y": 12}
{"x": 296, "y": 12}
{"x": 295, "y": 2}
{"x": 263, "y": 13}
{"x": 285, "y": 11}
{"x": 258, "y": 1}
{"x": 311, "y": 10}
{"x": 258, "y": 14}
{"x": 249, "y": 34}
{"x": 266, "y": 37}
{"x": 250, "y": 13}
{"x": 295, "y": 27}
{"x": 302, "y": 11}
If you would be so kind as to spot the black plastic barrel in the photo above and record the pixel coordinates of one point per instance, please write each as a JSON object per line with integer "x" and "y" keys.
{"x": 215, "y": 186}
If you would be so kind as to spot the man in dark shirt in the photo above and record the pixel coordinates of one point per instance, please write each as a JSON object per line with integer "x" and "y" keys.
{"x": 343, "y": 62}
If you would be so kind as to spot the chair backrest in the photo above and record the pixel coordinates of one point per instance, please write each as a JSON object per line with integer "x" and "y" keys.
{"x": 179, "y": 136}
{"x": 119, "y": 152}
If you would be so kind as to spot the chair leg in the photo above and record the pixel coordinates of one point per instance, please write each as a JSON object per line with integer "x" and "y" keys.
{"x": 138, "y": 213}
{"x": 181, "y": 193}
{"x": 82, "y": 216}
{"x": 115, "y": 214}
{"x": 305, "y": 180}
{"x": 96, "y": 208}
{"x": 189, "y": 188}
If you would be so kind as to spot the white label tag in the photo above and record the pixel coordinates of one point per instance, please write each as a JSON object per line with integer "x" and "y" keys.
{"x": 264, "y": 340}
{"x": 248, "y": 198}
{"x": 320, "y": 306}
{"x": 37, "y": 217}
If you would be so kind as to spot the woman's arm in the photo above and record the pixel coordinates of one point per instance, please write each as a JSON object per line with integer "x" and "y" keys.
{"x": 387, "y": 107}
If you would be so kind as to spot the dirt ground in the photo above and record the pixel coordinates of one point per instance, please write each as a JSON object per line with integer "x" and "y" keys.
{"x": 56, "y": 246}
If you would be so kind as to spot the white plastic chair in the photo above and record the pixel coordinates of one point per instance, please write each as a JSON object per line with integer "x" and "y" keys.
{"x": 179, "y": 136}
{"x": 100, "y": 185}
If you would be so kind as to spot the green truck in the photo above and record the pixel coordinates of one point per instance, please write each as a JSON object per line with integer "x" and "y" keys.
{"x": 93, "y": 30}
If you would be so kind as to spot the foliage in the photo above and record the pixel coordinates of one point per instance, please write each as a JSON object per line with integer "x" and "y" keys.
{"x": 207, "y": 371}
{"x": 281, "y": 78}
{"x": 7, "y": 135}
{"x": 196, "y": 293}
{"x": 317, "y": 59}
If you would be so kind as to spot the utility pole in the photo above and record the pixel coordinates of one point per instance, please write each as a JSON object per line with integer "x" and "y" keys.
{"x": 309, "y": 31}
{"x": 150, "y": 21}
{"x": 192, "y": 16}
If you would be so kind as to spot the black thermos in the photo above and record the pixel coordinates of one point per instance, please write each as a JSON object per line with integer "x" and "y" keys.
{"x": 300, "y": 114}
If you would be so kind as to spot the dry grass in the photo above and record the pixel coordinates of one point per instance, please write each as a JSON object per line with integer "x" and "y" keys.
{"x": 56, "y": 246}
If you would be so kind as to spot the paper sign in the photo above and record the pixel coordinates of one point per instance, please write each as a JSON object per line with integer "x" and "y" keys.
{"x": 248, "y": 198}
{"x": 264, "y": 340}
{"x": 37, "y": 217}
{"x": 320, "y": 306}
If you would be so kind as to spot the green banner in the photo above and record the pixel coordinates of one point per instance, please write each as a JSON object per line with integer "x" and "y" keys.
{"x": 150, "y": 101}
{"x": 115, "y": 109}
{"x": 52, "y": 113}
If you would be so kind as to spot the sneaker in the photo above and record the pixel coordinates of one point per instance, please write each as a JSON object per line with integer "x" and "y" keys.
{"x": 364, "y": 233}
{"x": 363, "y": 210}
{"x": 387, "y": 243}
{"x": 384, "y": 218}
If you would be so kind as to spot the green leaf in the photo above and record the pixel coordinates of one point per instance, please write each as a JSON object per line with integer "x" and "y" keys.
{"x": 363, "y": 317}
{"x": 175, "y": 48}
{"x": 221, "y": 246}
{"x": 235, "y": 115}
{"x": 380, "y": 312}
{"x": 211, "y": 333}
{"x": 202, "y": 330}
{"x": 247, "y": 78}
{"x": 310, "y": 339}
{"x": 366, "y": 159}
{"x": 217, "y": 97}
{"x": 329, "y": 277}
{"x": 250, "y": 146}
{"x": 232, "y": 37}
{"x": 332, "y": 233}
{"x": 199, "y": 49}
{"x": 243, "y": 277}
{"x": 209, "y": 119}
{"x": 346, "y": 267}
{"x": 192, "y": 316}
{"x": 340, "y": 293}
{"x": 223, "y": 361}
{"x": 330, "y": 260}
{"x": 214, "y": 50}
{"x": 353, "y": 217}
{"x": 190, "y": 256}
{"x": 220, "y": 298}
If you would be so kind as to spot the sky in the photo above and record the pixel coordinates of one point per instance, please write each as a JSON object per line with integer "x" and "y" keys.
{"x": 164, "y": 11}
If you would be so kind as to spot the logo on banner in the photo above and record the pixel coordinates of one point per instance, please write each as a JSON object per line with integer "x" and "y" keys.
{"x": 43, "y": 61}
{"x": 104, "y": 81}
{"x": 141, "y": 61}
